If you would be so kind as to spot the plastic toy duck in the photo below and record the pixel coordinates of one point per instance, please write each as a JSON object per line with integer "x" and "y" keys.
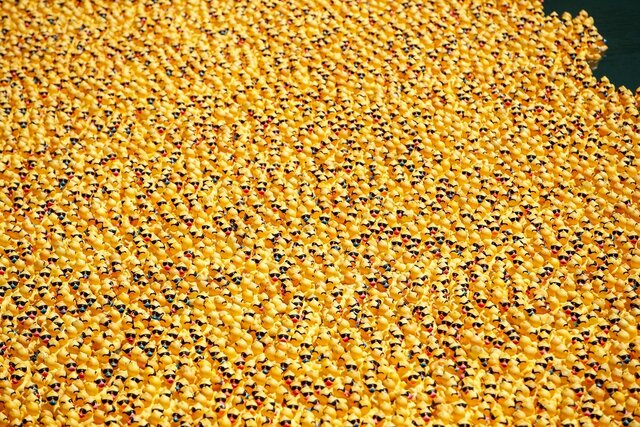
{"x": 300, "y": 222}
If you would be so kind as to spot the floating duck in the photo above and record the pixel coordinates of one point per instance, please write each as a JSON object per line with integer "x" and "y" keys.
{"x": 319, "y": 218}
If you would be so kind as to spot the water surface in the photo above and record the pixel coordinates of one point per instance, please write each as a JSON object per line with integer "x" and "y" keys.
{"x": 618, "y": 21}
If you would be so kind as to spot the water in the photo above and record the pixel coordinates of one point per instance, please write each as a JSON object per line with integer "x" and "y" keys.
{"x": 618, "y": 21}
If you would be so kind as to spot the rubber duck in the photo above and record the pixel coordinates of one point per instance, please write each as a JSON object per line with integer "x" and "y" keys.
{"x": 391, "y": 208}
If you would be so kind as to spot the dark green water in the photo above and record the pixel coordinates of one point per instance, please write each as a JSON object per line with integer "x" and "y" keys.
{"x": 618, "y": 21}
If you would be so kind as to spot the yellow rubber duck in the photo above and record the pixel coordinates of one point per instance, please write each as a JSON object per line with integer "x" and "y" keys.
{"x": 290, "y": 210}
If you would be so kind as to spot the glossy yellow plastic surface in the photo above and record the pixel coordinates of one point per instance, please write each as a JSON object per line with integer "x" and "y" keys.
{"x": 303, "y": 213}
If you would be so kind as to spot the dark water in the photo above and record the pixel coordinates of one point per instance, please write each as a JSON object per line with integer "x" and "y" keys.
{"x": 618, "y": 21}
